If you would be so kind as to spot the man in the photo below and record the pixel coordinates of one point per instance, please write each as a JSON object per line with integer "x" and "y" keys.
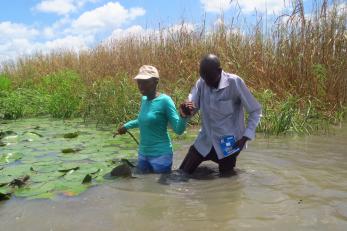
{"x": 220, "y": 97}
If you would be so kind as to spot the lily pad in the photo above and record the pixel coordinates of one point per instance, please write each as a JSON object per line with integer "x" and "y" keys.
{"x": 70, "y": 150}
{"x": 19, "y": 182}
{"x": 122, "y": 170}
{"x": 71, "y": 135}
{"x": 5, "y": 196}
{"x": 87, "y": 179}
{"x": 7, "y": 133}
{"x": 10, "y": 157}
{"x": 69, "y": 169}
{"x": 36, "y": 190}
{"x": 51, "y": 171}
{"x": 34, "y": 133}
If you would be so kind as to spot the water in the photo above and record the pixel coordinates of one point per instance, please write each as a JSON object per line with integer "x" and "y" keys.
{"x": 285, "y": 183}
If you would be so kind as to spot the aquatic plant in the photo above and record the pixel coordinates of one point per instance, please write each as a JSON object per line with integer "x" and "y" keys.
{"x": 36, "y": 161}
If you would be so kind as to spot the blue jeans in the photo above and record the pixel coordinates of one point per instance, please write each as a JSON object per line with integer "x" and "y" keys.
{"x": 156, "y": 164}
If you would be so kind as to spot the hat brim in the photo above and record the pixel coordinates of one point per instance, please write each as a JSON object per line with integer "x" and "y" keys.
{"x": 145, "y": 77}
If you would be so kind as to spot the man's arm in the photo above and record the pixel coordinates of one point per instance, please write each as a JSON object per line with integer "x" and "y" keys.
{"x": 192, "y": 105}
{"x": 252, "y": 107}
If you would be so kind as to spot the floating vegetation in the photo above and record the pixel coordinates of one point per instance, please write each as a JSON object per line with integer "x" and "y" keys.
{"x": 70, "y": 150}
{"x": 6, "y": 133}
{"x": 71, "y": 135}
{"x": 34, "y": 133}
{"x": 42, "y": 169}
{"x": 87, "y": 179}
{"x": 19, "y": 182}
{"x": 5, "y": 196}
{"x": 122, "y": 170}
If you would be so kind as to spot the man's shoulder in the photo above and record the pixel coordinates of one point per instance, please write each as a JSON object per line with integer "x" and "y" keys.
{"x": 232, "y": 79}
{"x": 231, "y": 76}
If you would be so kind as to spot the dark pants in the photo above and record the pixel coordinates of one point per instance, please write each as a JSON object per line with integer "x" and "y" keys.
{"x": 193, "y": 159}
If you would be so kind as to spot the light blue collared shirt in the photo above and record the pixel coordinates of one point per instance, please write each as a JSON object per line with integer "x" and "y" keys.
{"x": 222, "y": 112}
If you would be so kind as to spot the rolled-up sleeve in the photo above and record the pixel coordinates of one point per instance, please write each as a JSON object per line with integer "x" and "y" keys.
{"x": 194, "y": 95}
{"x": 251, "y": 105}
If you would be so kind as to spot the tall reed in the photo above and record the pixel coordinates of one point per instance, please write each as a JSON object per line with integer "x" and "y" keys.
{"x": 300, "y": 56}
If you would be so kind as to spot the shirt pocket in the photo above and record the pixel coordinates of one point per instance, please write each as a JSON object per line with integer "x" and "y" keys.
{"x": 224, "y": 107}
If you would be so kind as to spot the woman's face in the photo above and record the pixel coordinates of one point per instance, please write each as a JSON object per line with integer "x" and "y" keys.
{"x": 147, "y": 86}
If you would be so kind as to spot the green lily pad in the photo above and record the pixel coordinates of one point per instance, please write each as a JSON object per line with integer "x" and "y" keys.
{"x": 70, "y": 150}
{"x": 10, "y": 157}
{"x": 71, "y": 135}
{"x": 55, "y": 173}
{"x": 74, "y": 157}
{"x": 87, "y": 179}
{"x": 69, "y": 169}
{"x": 35, "y": 190}
{"x": 11, "y": 139}
{"x": 5, "y": 196}
{"x": 36, "y": 134}
{"x": 7, "y": 133}
{"x": 14, "y": 171}
{"x": 45, "y": 176}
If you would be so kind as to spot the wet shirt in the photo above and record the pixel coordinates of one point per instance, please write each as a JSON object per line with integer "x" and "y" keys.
{"x": 154, "y": 117}
{"x": 222, "y": 111}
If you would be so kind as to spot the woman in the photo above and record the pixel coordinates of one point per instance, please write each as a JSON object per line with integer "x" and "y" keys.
{"x": 157, "y": 111}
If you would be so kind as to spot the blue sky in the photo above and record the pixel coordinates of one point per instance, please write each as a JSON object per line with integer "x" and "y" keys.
{"x": 28, "y": 26}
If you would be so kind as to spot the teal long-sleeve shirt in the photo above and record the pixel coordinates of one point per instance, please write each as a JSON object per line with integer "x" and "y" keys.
{"x": 153, "y": 120}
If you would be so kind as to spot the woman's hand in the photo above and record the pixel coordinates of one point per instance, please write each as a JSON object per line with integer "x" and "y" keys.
{"x": 121, "y": 130}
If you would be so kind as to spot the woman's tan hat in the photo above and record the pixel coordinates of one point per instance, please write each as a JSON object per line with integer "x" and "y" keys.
{"x": 147, "y": 72}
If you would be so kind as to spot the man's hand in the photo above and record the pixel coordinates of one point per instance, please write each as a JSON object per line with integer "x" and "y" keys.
{"x": 121, "y": 130}
{"x": 241, "y": 142}
{"x": 186, "y": 109}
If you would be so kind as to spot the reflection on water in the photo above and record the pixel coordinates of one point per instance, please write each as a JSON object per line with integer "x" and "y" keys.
{"x": 286, "y": 183}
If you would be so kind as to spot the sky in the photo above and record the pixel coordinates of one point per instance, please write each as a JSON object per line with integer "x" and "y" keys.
{"x": 29, "y": 26}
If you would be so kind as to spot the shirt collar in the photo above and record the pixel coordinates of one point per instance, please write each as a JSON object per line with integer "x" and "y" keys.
{"x": 223, "y": 83}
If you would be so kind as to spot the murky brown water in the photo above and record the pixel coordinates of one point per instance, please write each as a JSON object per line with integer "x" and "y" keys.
{"x": 287, "y": 183}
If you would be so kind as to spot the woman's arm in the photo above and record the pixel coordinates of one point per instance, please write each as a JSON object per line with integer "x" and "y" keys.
{"x": 132, "y": 124}
{"x": 177, "y": 123}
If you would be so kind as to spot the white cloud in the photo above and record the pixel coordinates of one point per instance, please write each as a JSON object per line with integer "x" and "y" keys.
{"x": 15, "y": 39}
{"x": 216, "y": 5}
{"x": 14, "y": 48}
{"x": 61, "y": 7}
{"x": 109, "y": 16}
{"x": 140, "y": 32}
{"x": 56, "y": 6}
{"x": 18, "y": 39}
{"x": 135, "y": 30}
{"x": 11, "y": 30}
{"x": 69, "y": 42}
{"x": 341, "y": 8}
{"x": 182, "y": 27}
{"x": 57, "y": 28}
{"x": 269, "y": 6}
{"x": 68, "y": 33}
{"x": 247, "y": 6}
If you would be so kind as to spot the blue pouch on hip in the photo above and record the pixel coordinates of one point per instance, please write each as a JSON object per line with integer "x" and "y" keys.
{"x": 228, "y": 145}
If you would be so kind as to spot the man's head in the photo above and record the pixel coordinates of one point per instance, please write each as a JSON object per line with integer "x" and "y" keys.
{"x": 210, "y": 70}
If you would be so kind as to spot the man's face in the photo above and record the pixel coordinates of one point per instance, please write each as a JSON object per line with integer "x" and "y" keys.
{"x": 211, "y": 75}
